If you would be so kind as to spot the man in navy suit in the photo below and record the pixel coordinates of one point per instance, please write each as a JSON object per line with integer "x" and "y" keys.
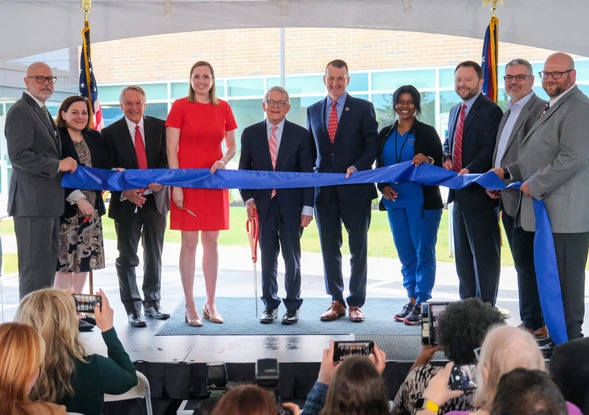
{"x": 469, "y": 147}
{"x": 277, "y": 144}
{"x": 346, "y": 137}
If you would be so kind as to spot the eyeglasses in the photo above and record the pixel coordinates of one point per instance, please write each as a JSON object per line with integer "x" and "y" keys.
{"x": 555, "y": 74}
{"x": 518, "y": 78}
{"x": 477, "y": 353}
{"x": 279, "y": 104}
{"x": 41, "y": 79}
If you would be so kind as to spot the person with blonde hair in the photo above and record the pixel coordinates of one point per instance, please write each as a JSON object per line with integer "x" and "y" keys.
{"x": 70, "y": 376}
{"x": 21, "y": 355}
{"x": 504, "y": 349}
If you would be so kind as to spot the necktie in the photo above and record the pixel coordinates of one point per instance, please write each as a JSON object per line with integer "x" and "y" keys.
{"x": 546, "y": 106}
{"x": 332, "y": 128}
{"x": 46, "y": 112}
{"x": 140, "y": 149}
{"x": 273, "y": 153}
{"x": 457, "y": 153}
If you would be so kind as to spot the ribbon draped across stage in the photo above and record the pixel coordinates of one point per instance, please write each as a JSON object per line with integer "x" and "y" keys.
{"x": 544, "y": 256}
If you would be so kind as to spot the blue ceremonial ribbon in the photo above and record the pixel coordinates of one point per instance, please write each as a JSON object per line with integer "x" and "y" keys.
{"x": 425, "y": 174}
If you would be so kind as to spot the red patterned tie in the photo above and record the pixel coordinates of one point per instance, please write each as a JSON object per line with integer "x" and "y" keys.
{"x": 273, "y": 153}
{"x": 140, "y": 149}
{"x": 457, "y": 154}
{"x": 332, "y": 122}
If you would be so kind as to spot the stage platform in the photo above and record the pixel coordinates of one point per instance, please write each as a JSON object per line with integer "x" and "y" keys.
{"x": 176, "y": 365}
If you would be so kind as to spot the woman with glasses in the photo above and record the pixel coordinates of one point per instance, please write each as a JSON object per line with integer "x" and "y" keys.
{"x": 196, "y": 128}
{"x": 81, "y": 247}
{"x": 414, "y": 210}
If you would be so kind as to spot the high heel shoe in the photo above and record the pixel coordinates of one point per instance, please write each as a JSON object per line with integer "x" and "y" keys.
{"x": 214, "y": 318}
{"x": 197, "y": 322}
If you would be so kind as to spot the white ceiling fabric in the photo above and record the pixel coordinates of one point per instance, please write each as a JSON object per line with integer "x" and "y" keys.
{"x": 29, "y": 27}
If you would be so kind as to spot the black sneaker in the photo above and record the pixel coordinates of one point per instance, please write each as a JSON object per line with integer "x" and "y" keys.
{"x": 407, "y": 308}
{"x": 414, "y": 317}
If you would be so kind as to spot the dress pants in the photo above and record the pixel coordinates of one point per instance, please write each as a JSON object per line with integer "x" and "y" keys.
{"x": 571, "y": 257}
{"x": 415, "y": 233}
{"x": 148, "y": 224}
{"x": 477, "y": 245}
{"x": 276, "y": 234}
{"x": 521, "y": 244}
{"x": 355, "y": 215}
{"x": 37, "y": 245}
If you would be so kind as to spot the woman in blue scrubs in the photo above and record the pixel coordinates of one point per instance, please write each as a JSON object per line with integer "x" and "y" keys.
{"x": 414, "y": 210}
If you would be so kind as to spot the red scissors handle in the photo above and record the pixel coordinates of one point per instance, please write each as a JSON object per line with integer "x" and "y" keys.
{"x": 252, "y": 228}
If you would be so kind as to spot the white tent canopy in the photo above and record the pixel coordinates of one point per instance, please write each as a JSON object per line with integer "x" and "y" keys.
{"x": 29, "y": 27}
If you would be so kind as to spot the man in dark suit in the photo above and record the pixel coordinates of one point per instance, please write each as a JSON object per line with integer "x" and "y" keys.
{"x": 346, "y": 138}
{"x": 523, "y": 110}
{"x": 277, "y": 144}
{"x": 469, "y": 145}
{"x": 554, "y": 168}
{"x": 35, "y": 196}
{"x": 138, "y": 141}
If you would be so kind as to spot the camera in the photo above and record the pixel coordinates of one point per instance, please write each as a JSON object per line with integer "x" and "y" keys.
{"x": 429, "y": 321}
{"x": 463, "y": 377}
{"x": 268, "y": 377}
{"x": 86, "y": 303}
{"x": 345, "y": 349}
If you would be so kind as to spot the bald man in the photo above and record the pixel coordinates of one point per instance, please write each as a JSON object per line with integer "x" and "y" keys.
{"x": 35, "y": 197}
{"x": 554, "y": 167}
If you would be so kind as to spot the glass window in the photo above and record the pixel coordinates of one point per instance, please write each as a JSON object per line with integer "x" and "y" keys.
{"x": 383, "y": 106}
{"x": 389, "y": 81}
{"x": 582, "y": 68}
{"x": 155, "y": 91}
{"x": 541, "y": 93}
{"x": 110, "y": 93}
{"x": 298, "y": 111}
{"x": 178, "y": 90}
{"x": 447, "y": 100}
{"x": 159, "y": 110}
{"x": 220, "y": 87}
{"x": 111, "y": 113}
{"x": 246, "y": 113}
{"x": 447, "y": 78}
{"x": 245, "y": 87}
{"x": 358, "y": 82}
{"x": 304, "y": 84}
{"x": 52, "y": 108}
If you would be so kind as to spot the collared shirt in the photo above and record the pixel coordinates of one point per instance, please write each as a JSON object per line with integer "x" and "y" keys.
{"x": 278, "y": 133}
{"x": 514, "y": 112}
{"x": 555, "y": 99}
{"x": 41, "y": 104}
{"x": 339, "y": 107}
{"x": 131, "y": 126}
{"x": 466, "y": 110}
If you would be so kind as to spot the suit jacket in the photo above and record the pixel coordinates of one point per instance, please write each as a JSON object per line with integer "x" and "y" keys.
{"x": 99, "y": 160}
{"x": 34, "y": 149}
{"x": 295, "y": 154}
{"x": 555, "y": 164}
{"x": 569, "y": 368}
{"x": 355, "y": 144}
{"x": 510, "y": 198}
{"x": 121, "y": 151}
{"x": 478, "y": 143}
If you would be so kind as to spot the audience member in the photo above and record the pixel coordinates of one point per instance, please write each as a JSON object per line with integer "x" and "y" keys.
{"x": 528, "y": 392}
{"x": 70, "y": 377}
{"x": 414, "y": 210}
{"x": 250, "y": 400}
{"x": 504, "y": 349}
{"x": 461, "y": 329}
{"x": 354, "y": 387}
{"x": 569, "y": 368}
{"x": 21, "y": 355}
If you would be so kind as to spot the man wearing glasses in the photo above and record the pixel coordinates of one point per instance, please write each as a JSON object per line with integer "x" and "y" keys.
{"x": 554, "y": 167}
{"x": 524, "y": 107}
{"x": 277, "y": 144}
{"x": 35, "y": 197}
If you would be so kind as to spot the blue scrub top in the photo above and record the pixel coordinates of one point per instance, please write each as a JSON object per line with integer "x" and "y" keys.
{"x": 397, "y": 149}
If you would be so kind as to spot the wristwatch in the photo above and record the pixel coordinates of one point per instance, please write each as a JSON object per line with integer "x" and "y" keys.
{"x": 424, "y": 403}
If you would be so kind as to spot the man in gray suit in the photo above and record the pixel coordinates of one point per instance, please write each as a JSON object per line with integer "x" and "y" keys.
{"x": 523, "y": 110}
{"x": 35, "y": 196}
{"x": 554, "y": 165}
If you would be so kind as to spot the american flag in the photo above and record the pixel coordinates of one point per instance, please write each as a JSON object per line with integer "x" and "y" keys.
{"x": 489, "y": 62}
{"x": 88, "y": 87}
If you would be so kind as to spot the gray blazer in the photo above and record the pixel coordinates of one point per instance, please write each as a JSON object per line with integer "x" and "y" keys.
{"x": 555, "y": 164}
{"x": 510, "y": 198}
{"x": 34, "y": 149}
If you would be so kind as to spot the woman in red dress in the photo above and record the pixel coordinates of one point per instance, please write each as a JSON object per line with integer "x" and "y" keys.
{"x": 196, "y": 127}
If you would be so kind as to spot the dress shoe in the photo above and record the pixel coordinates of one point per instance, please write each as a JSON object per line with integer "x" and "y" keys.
{"x": 156, "y": 312}
{"x": 539, "y": 334}
{"x": 356, "y": 315}
{"x": 269, "y": 315}
{"x": 290, "y": 317}
{"x": 214, "y": 317}
{"x": 335, "y": 311}
{"x": 195, "y": 322}
{"x": 136, "y": 319}
{"x": 84, "y": 325}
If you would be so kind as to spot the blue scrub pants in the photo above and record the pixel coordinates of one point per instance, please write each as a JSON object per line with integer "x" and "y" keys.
{"x": 415, "y": 233}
